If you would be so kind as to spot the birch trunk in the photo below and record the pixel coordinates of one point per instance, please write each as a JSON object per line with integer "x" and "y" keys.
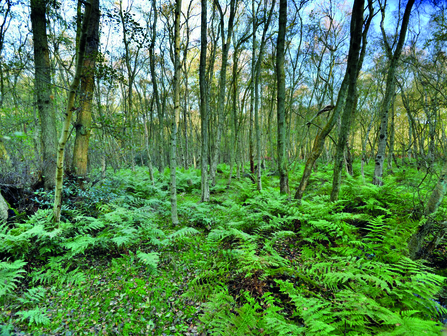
{"x": 205, "y": 197}
{"x": 177, "y": 69}
{"x": 389, "y": 91}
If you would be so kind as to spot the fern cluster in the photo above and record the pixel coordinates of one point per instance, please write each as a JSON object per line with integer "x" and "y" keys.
{"x": 318, "y": 268}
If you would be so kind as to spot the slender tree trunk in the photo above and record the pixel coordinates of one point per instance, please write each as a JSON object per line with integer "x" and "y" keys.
{"x": 281, "y": 98}
{"x": 84, "y": 118}
{"x": 392, "y": 136}
{"x": 43, "y": 92}
{"x": 416, "y": 244}
{"x": 69, "y": 111}
{"x": 186, "y": 98}
{"x": 6, "y": 20}
{"x": 204, "y": 104}
{"x": 177, "y": 69}
{"x": 389, "y": 91}
{"x": 233, "y": 121}
{"x": 222, "y": 83}
{"x": 152, "y": 62}
{"x": 257, "y": 75}
{"x": 356, "y": 55}
{"x": 148, "y": 151}
{"x": 431, "y": 119}
{"x": 364, "y": 144}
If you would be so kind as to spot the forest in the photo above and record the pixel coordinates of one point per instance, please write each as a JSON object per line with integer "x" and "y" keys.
{"x": 223, "y": 167}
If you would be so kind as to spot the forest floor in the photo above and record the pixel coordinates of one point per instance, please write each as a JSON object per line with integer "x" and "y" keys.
{"x": 245, "y": 263}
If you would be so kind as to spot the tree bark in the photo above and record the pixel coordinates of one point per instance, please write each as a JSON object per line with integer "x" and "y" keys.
{"x": 357, "y": 49}
{"x": 257, "y": 75}
{"x": 389, "y": 91}
{"x": 152, "y": 61}
{"x": 205, "y": 197}
{"x": 6, "y": 20}
{"x": 68, "y": 113}
{"x": 177, "y": 69}
{"x": 416, "y": 244}
{"x": 222, "y": 83}
{"x": 45, "y": 106}
{"x": 84, "y": 118}
{"x": 281, "y": 98}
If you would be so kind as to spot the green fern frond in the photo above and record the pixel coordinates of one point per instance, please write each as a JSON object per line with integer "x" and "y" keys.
{"x": 79, "y": 244}
{"x": 182, "y": 233}
{"x": 32, "y": 296}
{"x": 34, "y": 316}
{"x": 10, "y": 273}
{"x": 149, "y": 259}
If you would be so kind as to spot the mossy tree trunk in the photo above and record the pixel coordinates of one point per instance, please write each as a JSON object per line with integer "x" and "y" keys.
{"x": 42, "y": 74}
{"x": 84, "y": 117}
{"x": 68, "y": 114}
{"x": 416, "y": 246}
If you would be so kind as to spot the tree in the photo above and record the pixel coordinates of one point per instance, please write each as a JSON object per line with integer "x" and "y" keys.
{"x": 222, "y": 82}
{"x": 80, "y": 52}
{"x": 256, "y": 78}
{"x": 5, "y": 12}
{"x": 158, "y": 104}
{"x": 416, "y": 244}
{"x": 42, "y": 75}
{"x": 320, "y": 138}
{"x": 84, "y": 117}
{"x": 176, "y": 84}
{"x": 390, "y": 87}
{"x": 357, "y": 49}
{"x": 281, "y": 98}
{"x": 204, "y": 104}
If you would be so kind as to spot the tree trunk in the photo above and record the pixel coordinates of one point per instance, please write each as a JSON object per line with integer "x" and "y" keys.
{"x": 389, "y": 91}
{"x": 416, "y": 244}
{"x": 84, "y": 118}
{"x": 176, "y": 84}
{"x": 204, "y": 104}
{"x": 222, "y": 83}
{"x": 3, "y": 28}
{"x": 45, "y": 106}
{"x": 152, "y": 61}
{"x": 281, "y": 98}
{"x": 257, "y": 75}
{"x": 356, "y": 55}
{"x": 364, "y": 143}
{"x": 392, "y": 137}
{"x": 68, "y": 113}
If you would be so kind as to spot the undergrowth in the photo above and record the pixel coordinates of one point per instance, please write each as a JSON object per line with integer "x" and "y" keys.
{"x": 245, "y": 263}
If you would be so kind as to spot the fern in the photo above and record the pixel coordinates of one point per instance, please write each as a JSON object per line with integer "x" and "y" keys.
{"x": 32, "y": 296}
{"x": 36, "y": 316}
{"x": 220, "y": 320}
{"x": 149, "y": 259}
{"x": 55, "y": 273}
{"x": 10, "y": 273}
{"x": 79, "y": 244}
{"x": 181, "y": 234}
